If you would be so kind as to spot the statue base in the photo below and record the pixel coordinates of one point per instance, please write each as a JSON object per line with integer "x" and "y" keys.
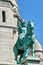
{"x": 31, "y": 61}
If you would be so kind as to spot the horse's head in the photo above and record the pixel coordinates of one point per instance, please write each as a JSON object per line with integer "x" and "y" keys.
{"x": 30, "y": 27}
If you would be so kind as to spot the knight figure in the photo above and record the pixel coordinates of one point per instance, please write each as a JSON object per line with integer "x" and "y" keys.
{"x": 26, "y": 38}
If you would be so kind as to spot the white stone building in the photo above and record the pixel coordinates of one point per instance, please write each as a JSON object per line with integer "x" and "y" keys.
{"x": 8, "y": 30}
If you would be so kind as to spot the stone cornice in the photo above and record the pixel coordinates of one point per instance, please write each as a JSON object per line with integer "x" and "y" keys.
{"x": 18, "y": 17}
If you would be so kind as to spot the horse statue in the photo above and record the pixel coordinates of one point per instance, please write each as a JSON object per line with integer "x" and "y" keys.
{"x": 26, "y": 38}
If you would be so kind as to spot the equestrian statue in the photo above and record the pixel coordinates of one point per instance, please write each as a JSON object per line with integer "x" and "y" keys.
{"x": 26, "y": 38}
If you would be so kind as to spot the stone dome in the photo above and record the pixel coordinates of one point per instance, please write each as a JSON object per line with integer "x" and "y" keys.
{"x": 37, "y": 46}
{"x": 38, "y": 49}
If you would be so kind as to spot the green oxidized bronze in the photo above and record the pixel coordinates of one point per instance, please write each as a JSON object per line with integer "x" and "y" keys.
{"x": 26, "y": 38}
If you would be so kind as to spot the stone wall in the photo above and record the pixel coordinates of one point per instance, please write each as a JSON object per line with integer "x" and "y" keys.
{"x": 6, "y": 42}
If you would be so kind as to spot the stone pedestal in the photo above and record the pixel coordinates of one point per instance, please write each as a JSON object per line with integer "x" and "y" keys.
{"x": 31, "y": 61}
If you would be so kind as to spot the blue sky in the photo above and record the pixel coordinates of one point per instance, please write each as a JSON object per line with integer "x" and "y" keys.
{"x": 33, "y": 10}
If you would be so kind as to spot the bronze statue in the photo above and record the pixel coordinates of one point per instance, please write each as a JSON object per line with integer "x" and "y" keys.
{"x": 26, "y": 38}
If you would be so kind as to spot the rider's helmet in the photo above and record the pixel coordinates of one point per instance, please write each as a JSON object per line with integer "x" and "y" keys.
{"x": 31, "y": 24}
